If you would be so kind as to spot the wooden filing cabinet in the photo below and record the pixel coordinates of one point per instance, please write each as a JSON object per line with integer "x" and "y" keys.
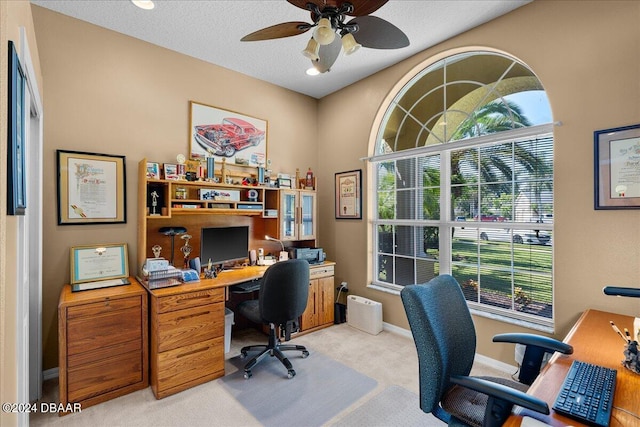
{"x": 187, "y": 338}
{"x": 102, "y": 340}
{"x": 320, "y": 305}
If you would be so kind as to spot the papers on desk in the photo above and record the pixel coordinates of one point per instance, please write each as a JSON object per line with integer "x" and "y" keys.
{"x": 99, "y": 284}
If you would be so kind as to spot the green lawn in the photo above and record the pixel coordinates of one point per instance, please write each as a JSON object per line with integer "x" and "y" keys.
{"x": 530, "y": 267}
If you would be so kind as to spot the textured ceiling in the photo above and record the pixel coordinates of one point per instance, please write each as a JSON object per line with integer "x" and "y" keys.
{"x": 211, "y": 31}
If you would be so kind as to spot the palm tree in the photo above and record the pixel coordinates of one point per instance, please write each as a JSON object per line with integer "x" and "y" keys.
{"x": 494, "y": 162}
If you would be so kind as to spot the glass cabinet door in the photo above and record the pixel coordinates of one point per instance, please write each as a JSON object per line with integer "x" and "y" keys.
{"x": 307, "y": 219}
{"x": 288, "y": 215}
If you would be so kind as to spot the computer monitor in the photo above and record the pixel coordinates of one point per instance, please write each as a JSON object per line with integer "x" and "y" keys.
{"x": 224, "y": 245}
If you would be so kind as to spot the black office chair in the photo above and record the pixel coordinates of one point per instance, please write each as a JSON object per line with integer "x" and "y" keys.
{"x": 283, "y": 298}
{"x": 445, "y": 339}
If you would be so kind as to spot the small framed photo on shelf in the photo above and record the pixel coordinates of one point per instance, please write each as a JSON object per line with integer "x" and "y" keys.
{"x": 284, "y": 182}
{"x": 153, "y": 170}
{"x": 170, "y": 171}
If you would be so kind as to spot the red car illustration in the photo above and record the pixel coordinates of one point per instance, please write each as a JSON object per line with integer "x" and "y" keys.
{"x": 224, "y": 139}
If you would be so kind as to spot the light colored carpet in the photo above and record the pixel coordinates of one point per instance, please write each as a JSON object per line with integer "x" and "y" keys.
{"x": 389, "y": 358}
{"x": 394, "y": 406}
{"x": 321, "y": 389}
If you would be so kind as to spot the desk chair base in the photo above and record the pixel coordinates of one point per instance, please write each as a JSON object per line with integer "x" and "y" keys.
{"x": 274, "y": 348}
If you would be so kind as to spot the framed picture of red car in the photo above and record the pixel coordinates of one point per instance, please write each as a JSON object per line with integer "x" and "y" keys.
{"x": 215, "y": 132}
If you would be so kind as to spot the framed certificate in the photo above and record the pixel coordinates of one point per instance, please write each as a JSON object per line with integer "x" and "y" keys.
{"x": 91, "y": 188}
{"x": 99, "y": 263}
{"x": 617, "y": 168}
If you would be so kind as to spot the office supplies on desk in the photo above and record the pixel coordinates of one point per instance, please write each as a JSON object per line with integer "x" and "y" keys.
{"x": 617, "y": 331}
{"x": 587, "y": 393}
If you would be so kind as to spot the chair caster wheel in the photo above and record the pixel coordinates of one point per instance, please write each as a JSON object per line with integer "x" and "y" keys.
{"x": 243, "y": 354}
{"x": 247, "y": 375}
{"x": 305, "y": 354}
{"x": 291, "y": 373}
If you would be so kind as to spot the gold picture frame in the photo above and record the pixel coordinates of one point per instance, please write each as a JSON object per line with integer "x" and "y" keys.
{"x": 91, "y": 263}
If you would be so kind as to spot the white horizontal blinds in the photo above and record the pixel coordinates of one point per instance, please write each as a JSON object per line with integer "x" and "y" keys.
{"x": 503, "y": 255}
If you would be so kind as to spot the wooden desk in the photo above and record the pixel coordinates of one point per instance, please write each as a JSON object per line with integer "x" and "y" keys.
{"x": 593, "y": 341}
{"x": 187, "y": 327}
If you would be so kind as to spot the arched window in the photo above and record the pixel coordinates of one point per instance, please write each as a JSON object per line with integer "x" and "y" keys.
{"x": 463, "y": 171}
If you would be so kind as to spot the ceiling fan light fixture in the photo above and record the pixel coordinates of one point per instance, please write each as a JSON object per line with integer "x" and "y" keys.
{"x": 311, "y": 51}
{"x": 349, "y": 44}
{"x": 144, "y": 4}
{"x": 324, "y": 34}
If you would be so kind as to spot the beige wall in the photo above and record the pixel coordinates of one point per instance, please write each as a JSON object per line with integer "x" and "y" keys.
{"x": 588, "y": 59}
{"x": 109, "y": 93}
{"x": 13, "y": 15}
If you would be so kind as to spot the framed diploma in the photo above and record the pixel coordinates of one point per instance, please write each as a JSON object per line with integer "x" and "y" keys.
{"x": 617, "y": 168}
{"x": 91, "y": 188}
{"x": 349, "y": 194}
{"x": 99, "y": 263}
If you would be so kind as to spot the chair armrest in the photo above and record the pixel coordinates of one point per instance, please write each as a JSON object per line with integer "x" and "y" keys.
{"x": 501, "y": 399}
{"x": 536, "y": 347}
{"x": 549, "y": 344}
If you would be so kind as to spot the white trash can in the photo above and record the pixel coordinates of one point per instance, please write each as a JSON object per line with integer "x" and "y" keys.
{"x": 228, "y": 322}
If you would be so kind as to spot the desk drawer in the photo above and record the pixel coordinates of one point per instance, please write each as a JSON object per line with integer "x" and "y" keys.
{"x": 321, "y": 271}
{"x": 190, "y": 363}
{"x": 178, "y": 328}
{"x": 92, "y": 333}
{"x": 189, "y": 299}
{"x": 103, "y": 376}
{"x": 102, "y": 307}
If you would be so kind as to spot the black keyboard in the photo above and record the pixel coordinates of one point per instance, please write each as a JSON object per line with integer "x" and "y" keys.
{"x": 247, "y": 287}
{"x": 587, "y": 393}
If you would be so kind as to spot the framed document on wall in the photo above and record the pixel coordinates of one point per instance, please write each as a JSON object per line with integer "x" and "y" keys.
{"x": 349, "y": 195}
{"x": 91, "y": 188}
{"x": 617, "y": 168}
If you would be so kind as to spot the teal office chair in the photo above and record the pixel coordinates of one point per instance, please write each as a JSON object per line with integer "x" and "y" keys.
{"x": 445, "y": 340}
{"x": 283, "y": 298}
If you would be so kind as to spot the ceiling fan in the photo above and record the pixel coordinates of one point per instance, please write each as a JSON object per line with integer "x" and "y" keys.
{"x": 328, "y": 18}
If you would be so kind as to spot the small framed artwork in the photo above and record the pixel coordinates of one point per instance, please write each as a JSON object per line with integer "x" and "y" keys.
{"x": 153, "y": 171}
{"x": 16, "y": 173}
{"x": 617, "y": 168}
{"x": 91, "y": 188}
{"x": 170, "y": 171}
{"x": 349, "y": 194}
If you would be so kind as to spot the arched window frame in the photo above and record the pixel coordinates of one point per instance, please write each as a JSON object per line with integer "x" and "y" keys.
{"x": 413, "y": 229}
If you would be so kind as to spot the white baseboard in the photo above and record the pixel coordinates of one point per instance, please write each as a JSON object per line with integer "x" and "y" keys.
{"x": 50, "y": 374}
{"x": 496, "y": 364}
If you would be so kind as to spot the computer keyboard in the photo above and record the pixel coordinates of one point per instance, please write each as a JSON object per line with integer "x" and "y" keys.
{"x": 587, "y": 393}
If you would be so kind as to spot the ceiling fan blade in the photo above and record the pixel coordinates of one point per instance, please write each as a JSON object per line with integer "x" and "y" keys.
{"x": 286, "y": 29}
{"x": 328, "y": 55}
{"x": 376, "y": 33}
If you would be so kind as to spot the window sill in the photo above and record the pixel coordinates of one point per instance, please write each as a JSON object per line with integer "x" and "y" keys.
{"x": 480, "y": 313}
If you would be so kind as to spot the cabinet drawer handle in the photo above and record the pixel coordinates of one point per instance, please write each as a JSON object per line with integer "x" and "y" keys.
{"x": 193, "y": 315}
{"x": 189, "y": 353}
{"x": 196, "y": 297}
